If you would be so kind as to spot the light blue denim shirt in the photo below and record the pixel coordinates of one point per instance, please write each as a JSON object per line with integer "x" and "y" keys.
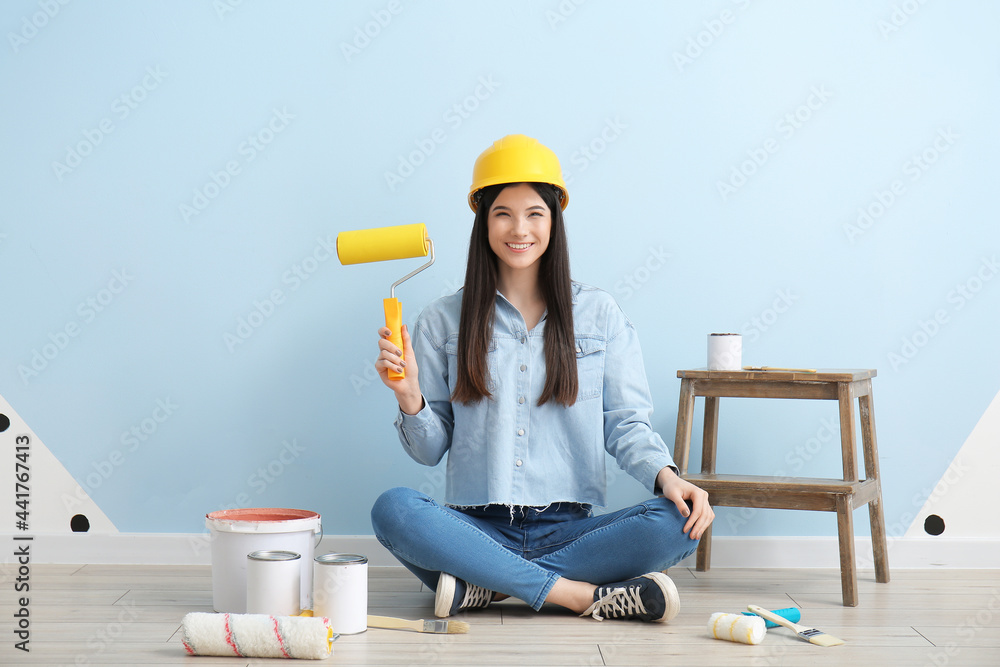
{"x": 507, "y": 449}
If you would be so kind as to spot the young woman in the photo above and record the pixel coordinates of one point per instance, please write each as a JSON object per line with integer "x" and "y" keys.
{"x": 526, "y": 379}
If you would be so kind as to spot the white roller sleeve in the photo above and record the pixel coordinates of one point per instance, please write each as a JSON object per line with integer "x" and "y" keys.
{"x": 256, "y": 635}
{"x": 737, "y": 628}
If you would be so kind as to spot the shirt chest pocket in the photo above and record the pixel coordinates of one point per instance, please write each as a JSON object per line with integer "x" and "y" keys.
{"x": 589, "y": 367}
{"x": 451, "y": 351}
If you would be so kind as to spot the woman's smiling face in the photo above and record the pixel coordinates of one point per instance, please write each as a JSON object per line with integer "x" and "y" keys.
{"x": 519, "y": 227}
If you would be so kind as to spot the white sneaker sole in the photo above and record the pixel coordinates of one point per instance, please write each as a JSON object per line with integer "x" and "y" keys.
{"x": 671, "y": 599}
{"x": 444, "y": 597}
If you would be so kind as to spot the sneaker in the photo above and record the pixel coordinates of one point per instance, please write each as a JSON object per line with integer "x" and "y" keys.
{"x": 454, "y": 595}
{"x": 651, "y": 597}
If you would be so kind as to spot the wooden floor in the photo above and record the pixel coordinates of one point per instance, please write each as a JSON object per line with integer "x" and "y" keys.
{"x": 130, "y": 615}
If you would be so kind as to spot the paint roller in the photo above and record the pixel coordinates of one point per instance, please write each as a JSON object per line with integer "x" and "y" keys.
{"x": 737, "y": 628}
{"x": 257, "y": 635}
{"x": 381, "y": 244}
{"x": 747, "y": 628}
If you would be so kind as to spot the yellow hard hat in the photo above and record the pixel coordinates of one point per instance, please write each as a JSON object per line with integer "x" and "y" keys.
{"x": 516, "y": 159}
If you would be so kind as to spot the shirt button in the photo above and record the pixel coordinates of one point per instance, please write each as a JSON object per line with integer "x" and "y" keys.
{"x": 523, "y": 368}
{"x": 518, "y": 463}
{"x": 520, "y": 399}
{"x": 520, "y": 431}
{"x": 524, "y": 340}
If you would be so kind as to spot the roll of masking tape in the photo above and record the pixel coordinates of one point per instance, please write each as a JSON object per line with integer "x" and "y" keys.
{"x": 382, "y": 243}
{"x": 725, "y": 352}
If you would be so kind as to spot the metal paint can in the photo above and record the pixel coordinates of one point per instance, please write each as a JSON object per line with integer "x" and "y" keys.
{"x": 340, "y": 591}
{"x": 273, "y": 583}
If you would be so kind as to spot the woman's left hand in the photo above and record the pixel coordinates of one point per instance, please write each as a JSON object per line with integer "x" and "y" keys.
{"x": 700, "y": 514}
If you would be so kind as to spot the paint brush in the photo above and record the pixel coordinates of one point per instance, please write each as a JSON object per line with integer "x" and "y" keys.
{"x": 779, "y": 368}
{"x": 437, "y": 627}
{"x": 811, "y": 635}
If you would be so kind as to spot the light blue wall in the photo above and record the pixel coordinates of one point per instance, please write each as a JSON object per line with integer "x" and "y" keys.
{"x": 650, "y": 105}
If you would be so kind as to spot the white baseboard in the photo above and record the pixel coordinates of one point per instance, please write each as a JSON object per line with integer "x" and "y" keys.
{"x": 758, "y": 552}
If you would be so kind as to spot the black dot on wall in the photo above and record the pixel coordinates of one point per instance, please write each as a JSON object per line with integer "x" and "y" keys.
{"x": 934, "y": 525}
{"x": 4, "y": 422}
{"x": 79, "y": 524}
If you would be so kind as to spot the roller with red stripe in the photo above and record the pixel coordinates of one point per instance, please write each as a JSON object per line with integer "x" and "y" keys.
{"x": 257, "y": 636}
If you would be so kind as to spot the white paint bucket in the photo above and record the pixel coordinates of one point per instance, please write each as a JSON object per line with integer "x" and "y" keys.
{"x": 237, "y": 533}
{"x": 341, "y": 591}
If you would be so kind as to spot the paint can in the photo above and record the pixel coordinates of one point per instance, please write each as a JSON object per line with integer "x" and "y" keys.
{"x": 238, "y": 532}
{"x": 274, "y": 583}
{"x": 340, "y": 591}
{"x": 725, "y": 352}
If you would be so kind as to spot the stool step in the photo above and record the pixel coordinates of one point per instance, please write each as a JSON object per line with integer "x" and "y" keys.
{"x": 804, "y": 493}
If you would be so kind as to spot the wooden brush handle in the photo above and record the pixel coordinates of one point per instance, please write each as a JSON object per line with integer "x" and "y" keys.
{"x": 390, "y": 623}
{"x": 774, "y": 618}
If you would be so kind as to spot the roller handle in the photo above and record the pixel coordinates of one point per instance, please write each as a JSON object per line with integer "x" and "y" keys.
{"x": 394, "y": 322}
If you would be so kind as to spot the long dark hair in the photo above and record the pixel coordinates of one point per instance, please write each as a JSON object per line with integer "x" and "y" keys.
{"x": 479, "y": 300}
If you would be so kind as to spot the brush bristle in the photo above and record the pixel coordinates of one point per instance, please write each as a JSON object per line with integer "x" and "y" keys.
{"x": 457, "y": 627}
{"x": 820, "y": 638}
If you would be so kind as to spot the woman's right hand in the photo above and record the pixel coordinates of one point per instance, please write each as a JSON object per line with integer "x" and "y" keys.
{"x": 407, "y": 389}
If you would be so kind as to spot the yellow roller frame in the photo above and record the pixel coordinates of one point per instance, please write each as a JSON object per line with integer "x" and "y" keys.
{"x": 381, "y": 244}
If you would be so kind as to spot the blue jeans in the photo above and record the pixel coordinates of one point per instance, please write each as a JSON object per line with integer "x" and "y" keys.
{"x": 523, "y": 552}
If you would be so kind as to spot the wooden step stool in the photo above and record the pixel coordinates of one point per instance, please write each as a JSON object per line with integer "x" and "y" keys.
{"x": 830, "y": 495}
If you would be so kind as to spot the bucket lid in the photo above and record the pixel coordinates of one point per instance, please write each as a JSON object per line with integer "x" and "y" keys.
{"x": 262, "y": 520}
{"x": 341, "y": 559}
